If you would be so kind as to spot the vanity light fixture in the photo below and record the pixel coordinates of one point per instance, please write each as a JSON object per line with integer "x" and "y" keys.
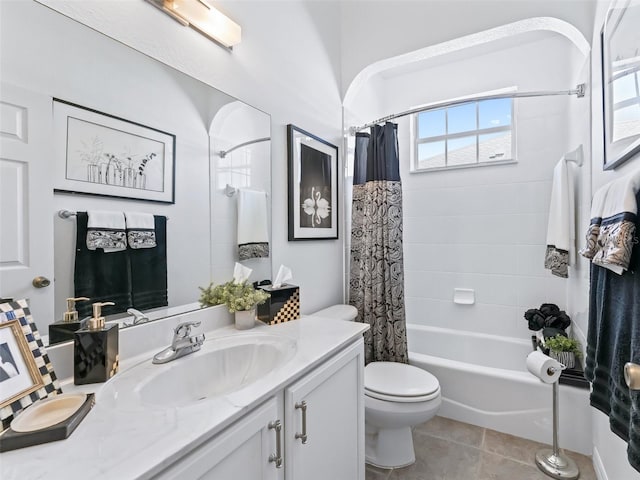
{"x": 204, "y": 18}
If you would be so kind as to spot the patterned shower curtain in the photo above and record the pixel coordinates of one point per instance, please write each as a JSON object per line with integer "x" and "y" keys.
{"x": 376, "y": 286}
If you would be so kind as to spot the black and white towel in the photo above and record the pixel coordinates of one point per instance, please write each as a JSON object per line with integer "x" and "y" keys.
{"x": 106, "y": 230}
{"x": 253, "y": 237}
{"x": 141, "y": 231}
{"x": 612, "y": 228}
{"x": 560, "y": 229}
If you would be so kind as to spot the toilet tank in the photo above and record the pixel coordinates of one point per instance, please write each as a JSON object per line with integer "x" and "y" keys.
{"x": 339, "y": 312}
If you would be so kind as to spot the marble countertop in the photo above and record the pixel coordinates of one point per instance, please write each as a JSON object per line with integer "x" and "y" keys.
{"x": 140, "y": 442}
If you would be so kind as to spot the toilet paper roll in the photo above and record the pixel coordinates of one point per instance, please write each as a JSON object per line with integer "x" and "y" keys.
{"x": 545, "y": 368}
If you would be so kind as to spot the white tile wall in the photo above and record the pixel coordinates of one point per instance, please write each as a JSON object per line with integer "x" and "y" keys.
{"x": 485, "y": 228}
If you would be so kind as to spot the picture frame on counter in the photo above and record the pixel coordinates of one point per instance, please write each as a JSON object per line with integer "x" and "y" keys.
{"x": 26, "y": 374}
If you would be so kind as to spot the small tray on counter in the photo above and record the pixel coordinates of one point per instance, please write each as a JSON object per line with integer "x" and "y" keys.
{"x": 47, "y": 420}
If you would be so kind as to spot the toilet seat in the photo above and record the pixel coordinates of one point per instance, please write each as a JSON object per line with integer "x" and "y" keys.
{"x": 399, "y": 382}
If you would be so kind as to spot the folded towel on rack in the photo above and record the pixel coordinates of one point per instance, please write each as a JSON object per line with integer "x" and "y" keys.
{"x": 611, "y": 233}
{"x": 106, "y": 230}
{"x": 560, "y": 228}
{"x": 253, "y": 239}
{"x": 141, "y": 231}
{"x": 149, "y": 270}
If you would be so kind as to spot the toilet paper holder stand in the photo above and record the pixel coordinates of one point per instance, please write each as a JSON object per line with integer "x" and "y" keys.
{"x": 551, "y": 461}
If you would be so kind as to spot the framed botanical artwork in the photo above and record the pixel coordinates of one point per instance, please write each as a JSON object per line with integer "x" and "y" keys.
{"x": 313, "y": 186}
{"x": 26, "y": 373}
{"x": 620, "y": 38}
{"x": 100, "y": 154}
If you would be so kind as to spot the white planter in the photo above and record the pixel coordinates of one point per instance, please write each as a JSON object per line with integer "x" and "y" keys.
{"x": 245, "y": 319}
{"x": 568, "y": 359}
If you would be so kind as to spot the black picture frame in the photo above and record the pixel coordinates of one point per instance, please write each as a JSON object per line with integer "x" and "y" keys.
{"x": 104, "y": 155}
{"x": 313, "y": 186}
{"x": 620, "y": 59}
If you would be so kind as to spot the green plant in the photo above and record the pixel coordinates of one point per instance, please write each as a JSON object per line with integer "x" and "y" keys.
{"x": 560, "y": 343}
{"x": 236, "y": 296}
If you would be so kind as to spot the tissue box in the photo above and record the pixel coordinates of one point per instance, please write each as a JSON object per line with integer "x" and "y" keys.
{"x": 282, "y": 306}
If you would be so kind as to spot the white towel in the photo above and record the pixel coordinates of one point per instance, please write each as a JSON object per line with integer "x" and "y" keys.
{"x": 106, "y": 230}
{"x": 561, "y": 237}
{"x": 141, "y": 230}
{"x": 611, "y": 233}
{"x": 253, "y": 238}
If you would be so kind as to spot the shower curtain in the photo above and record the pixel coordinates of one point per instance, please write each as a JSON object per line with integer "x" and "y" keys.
{"x": 376, "y": 284}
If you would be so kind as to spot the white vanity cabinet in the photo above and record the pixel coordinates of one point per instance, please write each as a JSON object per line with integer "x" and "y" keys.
{"x": 333, "y": 414}
{"x": 324, "y": 420}
{"x": 241, "y": 452}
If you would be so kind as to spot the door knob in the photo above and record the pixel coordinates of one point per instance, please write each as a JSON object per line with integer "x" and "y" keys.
{"x": 632, "y": 375}
{"x": 41, "y": 282}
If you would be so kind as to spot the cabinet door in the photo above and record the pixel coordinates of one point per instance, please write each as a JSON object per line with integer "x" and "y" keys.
{"x": 241, "y": 452}
{"x": 333, "y": 396}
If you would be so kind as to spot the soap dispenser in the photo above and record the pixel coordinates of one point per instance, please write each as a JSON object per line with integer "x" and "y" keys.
{"x": 62, "y": 330}
{"x": 95, "y": 353}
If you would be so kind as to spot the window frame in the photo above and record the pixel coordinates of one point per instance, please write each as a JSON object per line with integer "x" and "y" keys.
{"x": 477, "y": 132}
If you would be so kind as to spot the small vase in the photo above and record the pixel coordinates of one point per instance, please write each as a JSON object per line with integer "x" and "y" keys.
{"x": 245, "y": 319}
{"x": 568, "y": 359}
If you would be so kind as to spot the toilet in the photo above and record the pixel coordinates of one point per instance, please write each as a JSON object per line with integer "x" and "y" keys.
{"x": 397, "y": 397}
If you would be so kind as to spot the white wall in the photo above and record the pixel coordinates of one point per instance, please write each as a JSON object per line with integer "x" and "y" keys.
{"x": 376, "y": 30}
{"x": 294, "y": 81}
{"x": 610, "y": 457}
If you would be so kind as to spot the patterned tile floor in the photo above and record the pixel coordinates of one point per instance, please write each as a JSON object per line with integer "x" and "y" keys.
{"x": 450, "y": 450}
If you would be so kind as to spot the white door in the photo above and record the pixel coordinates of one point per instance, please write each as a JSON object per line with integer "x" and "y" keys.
{"x": 331, "y": 417}
{"x": 26, "y": 198}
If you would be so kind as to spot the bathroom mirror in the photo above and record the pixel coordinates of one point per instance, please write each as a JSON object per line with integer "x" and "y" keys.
{"x": 71, "y": 62}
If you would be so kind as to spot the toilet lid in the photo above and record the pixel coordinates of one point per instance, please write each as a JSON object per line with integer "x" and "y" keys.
{"x": 399, "y": 380}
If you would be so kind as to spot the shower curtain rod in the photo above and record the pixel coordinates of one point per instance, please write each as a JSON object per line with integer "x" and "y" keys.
{"x": 579, "y": 91}
{"x": 223, "y": 153}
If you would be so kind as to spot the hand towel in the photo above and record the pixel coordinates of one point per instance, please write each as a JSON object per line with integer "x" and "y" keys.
{"x": 253, "y": 239}
{"x": 106, "y": 230}
{"x": 140, "y": 230}
{"x": 611, "y": 232}
{"x": 560, "y": 228}
{"x": 149, "y": 270}
{"x": 103, "y": 277}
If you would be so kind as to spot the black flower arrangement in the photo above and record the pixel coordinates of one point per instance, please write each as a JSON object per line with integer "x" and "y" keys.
{"x": 548, "y": 318}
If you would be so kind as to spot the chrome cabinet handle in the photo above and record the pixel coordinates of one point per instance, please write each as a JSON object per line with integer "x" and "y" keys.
{"x": 276, "y": 457}
{"x": 302, "y": 436}
{"x": 632, "y": 375}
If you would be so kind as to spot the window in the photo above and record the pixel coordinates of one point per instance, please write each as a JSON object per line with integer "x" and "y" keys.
{"x": 467, "y": 134}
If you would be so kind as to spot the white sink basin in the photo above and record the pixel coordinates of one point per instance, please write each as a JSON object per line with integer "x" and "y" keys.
{"x": 223, "y": 365}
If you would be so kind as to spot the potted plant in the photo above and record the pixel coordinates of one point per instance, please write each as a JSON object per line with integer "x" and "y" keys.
{"x": 240, "y": 298}
{"x": 563, "y": 349}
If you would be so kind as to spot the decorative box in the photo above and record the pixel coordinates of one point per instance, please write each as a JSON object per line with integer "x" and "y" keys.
{"x": 282, "y": 306}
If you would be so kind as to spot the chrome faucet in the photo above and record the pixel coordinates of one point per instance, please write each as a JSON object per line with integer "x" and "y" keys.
{"x": 182, "y": 344}
{"x": 138, "y": 316}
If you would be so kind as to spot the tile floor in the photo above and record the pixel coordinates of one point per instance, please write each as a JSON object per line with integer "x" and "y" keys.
{"x": 450, "y": 450}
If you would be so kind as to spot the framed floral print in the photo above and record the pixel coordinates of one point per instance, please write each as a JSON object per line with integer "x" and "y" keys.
{"x": 100, "y": 154}
{"x": 313, "y": 186}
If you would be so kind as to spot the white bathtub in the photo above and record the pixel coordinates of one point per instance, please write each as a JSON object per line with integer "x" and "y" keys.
{"x": 485, "y": 382}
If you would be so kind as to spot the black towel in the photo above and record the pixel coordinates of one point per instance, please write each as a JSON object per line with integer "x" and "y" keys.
{"x": 614, "y": 339}
{"x": 149, "y": 270}
{"x": 102, "y": 277}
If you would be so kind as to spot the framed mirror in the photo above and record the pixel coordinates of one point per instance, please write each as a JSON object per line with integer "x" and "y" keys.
{"x": 66, "y": 60}
{"x": 621, "y": 83}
